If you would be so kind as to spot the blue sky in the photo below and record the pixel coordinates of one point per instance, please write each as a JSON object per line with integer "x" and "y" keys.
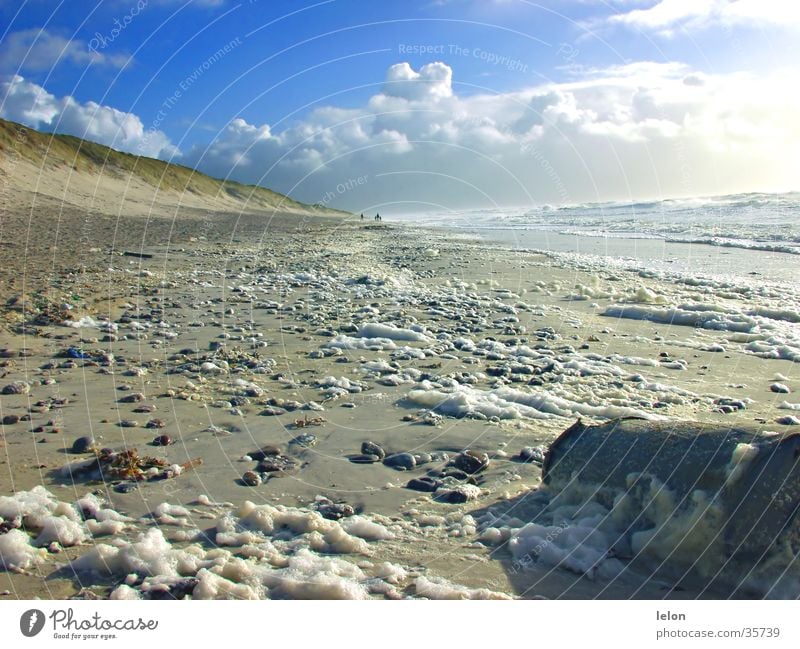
{"x": 444, "y": 104}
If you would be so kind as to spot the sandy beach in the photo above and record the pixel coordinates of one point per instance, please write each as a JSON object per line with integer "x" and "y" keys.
{"x": 252, "y": 355}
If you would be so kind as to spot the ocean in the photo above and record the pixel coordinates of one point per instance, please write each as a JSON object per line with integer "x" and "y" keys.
{"x": 744, "y": 236}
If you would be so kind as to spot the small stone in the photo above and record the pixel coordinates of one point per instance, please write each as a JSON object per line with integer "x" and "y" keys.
{"x": 162, "y": 440}
{"x": 424, "y": 483}
{"x": 251, "y": 479}
{"x": 336, "y": 511}
{"x": 779, "y": 388}
{"x": 460, "y": 494}
{"x": 533, "y": 454}
{"x": 271, "y": 411}
{"x": 10, "y": 420}
{"x": 365, "y": 458}
{"x": 306, "y": 440}
{"x": 17, "y": 387}
{"x": 422, "y": 458}
{"x": 156, "y": 423}
{"x": 277, "y": 464}
{"x": 264, "y": 452}
{"x": 134, "y": 397}
{"x": 471, "y": 461}
{"x": 125, "y": 487}
{"x": 129, "y": 423}
{"x": 82, "y": 445}
{"x": 145, "y": 408}
{"x": 400, "y": 461}
{"x": 371, "y": 448}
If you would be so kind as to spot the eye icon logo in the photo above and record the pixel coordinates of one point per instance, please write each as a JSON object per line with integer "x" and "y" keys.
{"x": 31, "y": 622}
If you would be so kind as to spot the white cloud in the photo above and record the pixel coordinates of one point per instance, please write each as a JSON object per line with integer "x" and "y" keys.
{"x": 40, "y": 50}
{"x": 666, "y": 15}
{"x": 639, "y": 130}
{"x": 30, "y": 104}
{"x": 633, "y": 131}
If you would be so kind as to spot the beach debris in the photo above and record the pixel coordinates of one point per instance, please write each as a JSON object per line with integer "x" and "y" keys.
{"x": 155, "y": 423}
{"x": 371, "y": 448}
{"x": 306, "y": 421}
{"x": 162, "y": 440}
{"x": 779, "y": 388}
{"x": 83, "y": 445}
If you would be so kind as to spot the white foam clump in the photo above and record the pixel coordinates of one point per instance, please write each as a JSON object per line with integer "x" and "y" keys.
{"x": 438, "y": 588}
{"x": 388, "y": 331}
{"x": 149, "y": 554}
{"x": 366, "y": 529}
{"x": 509, "y": 403}
{"x": 17, "y": 553}
{"x": 579, "y": 547}
{"x": 350, "y": 343}
{"x": 167, "y": 514}
{"x": 691, "y": 315}
{"x": 322, "y": 534}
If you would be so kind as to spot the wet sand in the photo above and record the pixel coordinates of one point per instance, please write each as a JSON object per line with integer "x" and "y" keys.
{"x": 235, "y": 330}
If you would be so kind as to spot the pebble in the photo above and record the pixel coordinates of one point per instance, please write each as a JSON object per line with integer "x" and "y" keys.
{"x": 125, "y": 487}
{"x": 10, "y": 420}
{"x": 251, "y": 479}
{"x": 129, "y": 423}
{"x": 264, "y": 452}
{"x": 400, "y": 461}
{"x": 17, "y": 387}
{"x": 134, "y": 397}
{"x": 82, "y": 445}
{"x": 163, "y": 440}
{"x": 779, "y": 388}
{"x": 276, "y": 464}
{"x": 424, "y": 483}
{"x": 533, "y": 454}
{"x": 460, "y": 494}
{"x": 365, "y": 458}
{"x": 271, "y": 411}
{"x": 306, "y": 440}
{"x": 471, "y": 461}
{"x": 155, "y": 423}
{"x": 371, "y": 448}
{"x": 335, "y": 511}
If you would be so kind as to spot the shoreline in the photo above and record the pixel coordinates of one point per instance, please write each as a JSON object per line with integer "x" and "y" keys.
{"x": 405, "y": 383}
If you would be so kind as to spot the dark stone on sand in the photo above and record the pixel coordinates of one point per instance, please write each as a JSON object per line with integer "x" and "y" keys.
{"x": 400, "y": 461}
{"x": 155, "y": 423}
{"x": 82, "y": 445}
{"x": 424, "y": 483}
{"x": 10, "y": 420}
{"x": 306, "y": 440}
{"x": 371, "y": 448}
{"x": 125, "y": 487}
{"x": 251, "y": 479}
{"x": 471, "y": 461}
{"x": 162, "y": 440}
{"x": 365, "y": 458}
{"x": 335, "y": 511}
{"x": 271, "y": 411}
{"x": 264, "y": 452}
{"x": 134, "y": 397}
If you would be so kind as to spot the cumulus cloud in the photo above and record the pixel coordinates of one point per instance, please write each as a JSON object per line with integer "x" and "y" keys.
{"x": 632, "y": 131}
{"x": 30, "y": 104}
{"x": 37, "y": 50}
{"x": 644, "y": 129}
{"x": 665, "y": 15}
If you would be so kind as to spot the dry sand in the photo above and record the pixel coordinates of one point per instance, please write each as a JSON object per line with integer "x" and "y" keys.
{"x": 316, "y": 277}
